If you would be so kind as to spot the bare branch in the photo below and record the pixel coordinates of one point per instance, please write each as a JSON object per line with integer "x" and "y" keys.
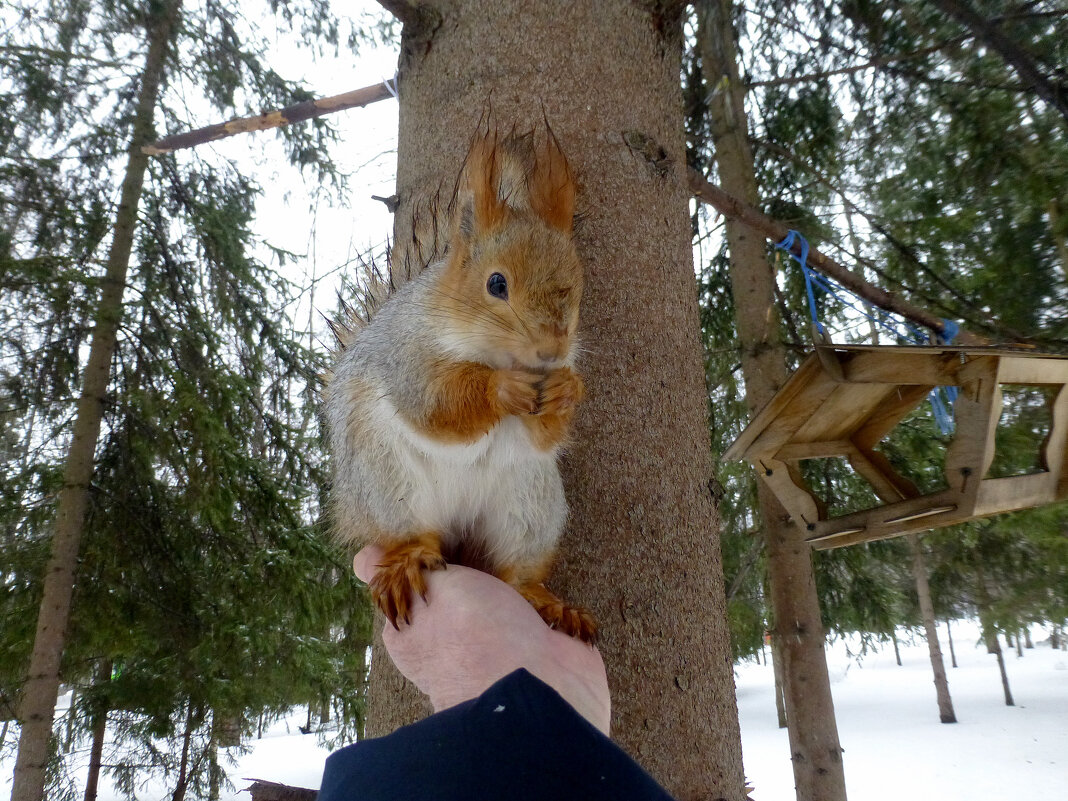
{"x": 261, "y": 790}
{"x": 298, "y": 112}
{"x": 879, "y": 61}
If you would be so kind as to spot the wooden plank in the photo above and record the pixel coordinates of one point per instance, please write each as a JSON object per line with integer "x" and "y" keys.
{"x": 891, "y": 520}
{"x": 1023, "y": 370}
{"x": 876, "y": 469}
{"x": 828, "y": 359}
{"x": 884, "y": 418}
{"x": 977, "y": 409}
{"x": 797, "y": 499}
{"x": 797, "y": 451}
{"x": 902, "y": 368}
{"x": 1014, "y": 492}
{"x": 798, "y": 382}
{"x": 782, "y": 429}
{"x": 1055, "y": 447}
{"x": 842, "y": 412}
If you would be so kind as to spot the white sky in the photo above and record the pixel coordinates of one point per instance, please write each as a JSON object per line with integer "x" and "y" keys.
{"x": 326, "y": 232}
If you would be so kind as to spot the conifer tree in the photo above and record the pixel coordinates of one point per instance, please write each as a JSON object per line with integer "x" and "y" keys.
{"x": 201, "y": 571}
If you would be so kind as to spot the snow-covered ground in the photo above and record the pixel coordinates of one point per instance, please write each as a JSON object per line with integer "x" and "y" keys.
{"x": 895, "y": 746}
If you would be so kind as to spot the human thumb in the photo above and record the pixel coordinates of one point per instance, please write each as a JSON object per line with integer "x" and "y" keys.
{"x": 366, "y": 563}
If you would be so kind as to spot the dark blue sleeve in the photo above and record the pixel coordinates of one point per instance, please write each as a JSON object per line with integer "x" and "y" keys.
{"x": 519, "y": 740}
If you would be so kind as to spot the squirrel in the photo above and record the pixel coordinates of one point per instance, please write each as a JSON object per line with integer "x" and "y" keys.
{"x": 446, "y": 410}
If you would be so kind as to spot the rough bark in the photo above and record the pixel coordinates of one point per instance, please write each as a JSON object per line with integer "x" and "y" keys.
{"x": 42, "y": 681}
{"x": 814, "y": 746}
{"x": 642, "y": 546}
{"x": 923, "y": 592}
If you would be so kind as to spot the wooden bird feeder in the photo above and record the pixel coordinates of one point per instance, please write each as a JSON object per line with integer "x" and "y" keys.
{"x": 845, "y": 399}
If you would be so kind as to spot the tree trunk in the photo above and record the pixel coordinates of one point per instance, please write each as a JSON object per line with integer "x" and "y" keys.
{"x": 642, "y": 548}
{"x": 42, "y": 681}
{"x": 100, "y": 728}
{"x": 780, "y": 681}
{"x": 923, "y": 592}
{"x": 182, "y": 784}
{"x": 985, "y": 595}
{"x": 1019, "y": 646}
{"x": 1055, "y": 637}
{"x": 815, "y": 750}
{"x": 897, "y": 650}
{"x": 949, "y": 636}
{"x": 993, "y": 646}
{"x": 1027, "y": 638}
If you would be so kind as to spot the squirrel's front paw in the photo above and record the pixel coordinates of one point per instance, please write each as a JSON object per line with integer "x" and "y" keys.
{"x": 399, "y": 577}
{"x": 518, "y": 391}
{"x": 560, "y": 391}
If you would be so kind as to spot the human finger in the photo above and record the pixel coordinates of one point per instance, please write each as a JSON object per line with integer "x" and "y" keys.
{"x": 365, "y": 563}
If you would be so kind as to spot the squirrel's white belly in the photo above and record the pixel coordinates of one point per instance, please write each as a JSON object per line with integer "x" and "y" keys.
{"x": 499, "y": 489}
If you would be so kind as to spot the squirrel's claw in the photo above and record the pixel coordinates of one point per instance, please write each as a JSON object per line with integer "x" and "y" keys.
{"x": 571, "y": 620}
{"x": 400, "y": 578}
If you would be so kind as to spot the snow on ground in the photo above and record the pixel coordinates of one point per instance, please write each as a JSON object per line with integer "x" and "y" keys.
{"x": 895, "y": 746}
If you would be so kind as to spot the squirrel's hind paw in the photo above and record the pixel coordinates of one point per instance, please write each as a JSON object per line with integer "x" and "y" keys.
{"x": 399, "y": 577}
{"x": 574, "y": 621}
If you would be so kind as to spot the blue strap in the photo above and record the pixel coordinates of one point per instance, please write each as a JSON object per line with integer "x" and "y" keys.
{"x": 787, "y": 245}
{"x": 941, "y": 397}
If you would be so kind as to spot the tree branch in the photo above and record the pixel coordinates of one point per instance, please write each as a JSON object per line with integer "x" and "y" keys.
{"x": 1056, "y": 94}
{"x": 734, "y": 208}
{"x": 878, "y": 61}
{"x": 419, "y": 21}
{"x": 298, "y": 112}
{"x": 261, "y": 790}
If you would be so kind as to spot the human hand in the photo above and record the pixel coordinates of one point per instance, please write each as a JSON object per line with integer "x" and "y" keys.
{"x": 474, "y": 629}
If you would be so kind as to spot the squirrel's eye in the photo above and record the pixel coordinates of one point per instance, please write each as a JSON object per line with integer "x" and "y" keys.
{"x": 497, "y": 286}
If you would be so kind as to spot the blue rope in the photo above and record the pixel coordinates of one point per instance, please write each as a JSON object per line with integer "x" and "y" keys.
{"x": 902, "y": 331}
{"x": 810, "y": 276}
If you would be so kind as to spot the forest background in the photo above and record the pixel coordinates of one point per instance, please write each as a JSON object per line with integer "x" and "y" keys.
{"x": 209, "y": 599}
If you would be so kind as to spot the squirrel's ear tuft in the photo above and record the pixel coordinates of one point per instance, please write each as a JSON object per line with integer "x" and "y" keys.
{"x": 551, "y": 184}
{"x": 482, "y": 208}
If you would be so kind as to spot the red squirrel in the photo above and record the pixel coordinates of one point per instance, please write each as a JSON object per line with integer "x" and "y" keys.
{"x": 446, "y": 411}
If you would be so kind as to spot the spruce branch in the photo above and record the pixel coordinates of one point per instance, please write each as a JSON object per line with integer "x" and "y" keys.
{"x": 1053, "y": 92}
